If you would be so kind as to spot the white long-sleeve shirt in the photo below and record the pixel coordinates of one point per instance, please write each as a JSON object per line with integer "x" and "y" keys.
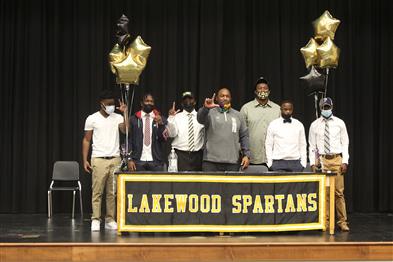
{"x": 286, "y": 141}
{"x": 178, "y": 129}
{"x": 338, "y": 139}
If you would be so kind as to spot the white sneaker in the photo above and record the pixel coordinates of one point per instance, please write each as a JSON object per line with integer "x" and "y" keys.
{"x": 95, "y": 225}
{"x": 111, "y": 225}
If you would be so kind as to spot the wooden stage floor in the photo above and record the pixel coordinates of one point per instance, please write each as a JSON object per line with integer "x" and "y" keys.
{"x": 27, "y": 237}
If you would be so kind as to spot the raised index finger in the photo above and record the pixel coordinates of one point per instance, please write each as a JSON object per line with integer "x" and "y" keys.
{"x": 214, "y": 95}
{"x": 174, "y": 105}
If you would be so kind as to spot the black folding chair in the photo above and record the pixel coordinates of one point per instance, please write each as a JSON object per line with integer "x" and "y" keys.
{"x": 65, "y": 171}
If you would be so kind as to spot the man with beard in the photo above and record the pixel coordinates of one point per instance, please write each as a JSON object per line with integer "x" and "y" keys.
{"x": 258, "y": 114}
{"x": 226, "y": 134}
{"x": 188, "y": 134}
{"x": 146, "y": 138}
{"x": 286, "y": 146}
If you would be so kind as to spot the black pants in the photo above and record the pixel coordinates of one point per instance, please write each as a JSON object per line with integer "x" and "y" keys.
{"x": 149, "y": 166}
{"x": 214, "y": 167}
{"x": 287, "y": 166}
{"x": 189, "y": 161}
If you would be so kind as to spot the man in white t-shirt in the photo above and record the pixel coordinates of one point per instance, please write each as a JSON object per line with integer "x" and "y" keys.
{"x": 103, "y": 126}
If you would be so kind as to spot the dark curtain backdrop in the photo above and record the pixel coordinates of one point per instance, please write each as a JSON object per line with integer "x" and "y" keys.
{"x": 53, "y": 58}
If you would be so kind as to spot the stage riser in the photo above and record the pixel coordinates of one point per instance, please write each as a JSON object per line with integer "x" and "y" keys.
{"x": 172, "y": 253}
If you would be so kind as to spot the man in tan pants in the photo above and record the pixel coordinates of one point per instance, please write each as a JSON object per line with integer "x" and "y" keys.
{"x": 328, "y": 138}
{"x": 103, "y": 127}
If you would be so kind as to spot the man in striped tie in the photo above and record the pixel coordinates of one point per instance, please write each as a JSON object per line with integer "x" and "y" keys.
{"x": 187, "y": 134}
{"x": 329, "y": 138}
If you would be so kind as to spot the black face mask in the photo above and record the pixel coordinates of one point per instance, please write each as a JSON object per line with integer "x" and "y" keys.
{"x": 189, "y": 107}
{"x": 286, "y": 116}
{"x": 147, "y": 108}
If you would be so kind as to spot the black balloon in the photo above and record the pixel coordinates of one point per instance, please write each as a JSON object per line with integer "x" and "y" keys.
{"x": 314, "y": 81}
{"x": 123, "y": 37}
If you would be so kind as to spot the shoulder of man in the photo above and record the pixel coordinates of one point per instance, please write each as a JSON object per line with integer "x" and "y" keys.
{"x": 248, "y": 104}
{"x": 297, "y": 121}
{"x": 274, "y": 105}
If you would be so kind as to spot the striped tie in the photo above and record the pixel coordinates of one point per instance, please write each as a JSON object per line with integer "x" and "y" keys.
{"x": 146, "y": 135}
{"x": 327, "y": 137}
{"x": 191, "y": 145}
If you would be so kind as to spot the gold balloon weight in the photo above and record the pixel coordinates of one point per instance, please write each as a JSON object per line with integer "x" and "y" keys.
{"x": 325, "y": 26}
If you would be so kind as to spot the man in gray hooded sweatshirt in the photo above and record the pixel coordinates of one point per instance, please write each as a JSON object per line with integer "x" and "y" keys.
{"x": 226, "y": 134}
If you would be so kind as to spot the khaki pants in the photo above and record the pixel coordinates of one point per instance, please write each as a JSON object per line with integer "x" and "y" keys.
{"x": 334, "y": 165}
{"x": 103, "y": 178}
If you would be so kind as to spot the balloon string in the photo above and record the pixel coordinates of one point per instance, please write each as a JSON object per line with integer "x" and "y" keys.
{"x": 131, "y": 102}
{"x": 326, "y": 82}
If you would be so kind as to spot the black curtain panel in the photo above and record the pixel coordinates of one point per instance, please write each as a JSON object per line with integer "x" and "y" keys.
{"x": 53, "y": 64}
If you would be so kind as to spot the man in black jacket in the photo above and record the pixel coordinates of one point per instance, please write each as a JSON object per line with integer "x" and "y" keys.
{"x": 147, "y": 129}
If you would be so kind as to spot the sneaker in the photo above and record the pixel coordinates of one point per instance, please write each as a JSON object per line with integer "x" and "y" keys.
{"x": 111, "y": 225}
{"x": 95, "y": 225}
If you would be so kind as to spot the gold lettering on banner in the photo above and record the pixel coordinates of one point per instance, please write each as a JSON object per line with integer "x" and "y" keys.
{"x": 205, "y": 203}
{"x": 257, "y": 205}
{"x": 216, "y": 204}
{"x": 269, "y": 204}
{"x": 193, "y": 203}
{"x": 301, "y": 202}
{"x": 312, "y": 201}
{"x": 181, "y": 201}
{"x": 279, "y": 199}
{"x": 290, "y": 207}
{"x": 144, "y": 208}
{"x": 237, "y": 206}
{"x": 131, "y": 209}
{"x": 247, "y": 202}
{"x": 156, "y": 203}
{"x": 168, "y": 203}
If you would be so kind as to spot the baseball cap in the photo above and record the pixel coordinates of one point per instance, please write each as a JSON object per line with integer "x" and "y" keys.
{"x": 261, "y": 80}
{"x": 326, "y": 101}
{"x": 187, "y": 94}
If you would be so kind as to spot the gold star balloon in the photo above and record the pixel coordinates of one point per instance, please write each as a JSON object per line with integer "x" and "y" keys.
{"x": 328, "y": 54}
{"x": 325, "y": 26}
{"x": 309, "y": 53}
{"x": 129, "y": 64}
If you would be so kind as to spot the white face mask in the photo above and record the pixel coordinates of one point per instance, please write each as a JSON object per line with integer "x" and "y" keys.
{"x": 109, "y": 109}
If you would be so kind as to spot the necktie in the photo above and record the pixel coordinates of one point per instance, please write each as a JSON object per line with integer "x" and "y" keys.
{"x": 191, "y": 145}
{"x": 146, "y": 135}
{"x": 327, "y": 137}
{"x": 287, "y": 120}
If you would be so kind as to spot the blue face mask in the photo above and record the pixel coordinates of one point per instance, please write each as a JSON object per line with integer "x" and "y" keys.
{"x": 326, "y": 113}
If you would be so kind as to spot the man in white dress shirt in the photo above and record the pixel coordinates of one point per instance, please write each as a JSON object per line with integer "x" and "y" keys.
{"x": 328, "y": 138}
{"x": 286, "y": 146}
{"x": 188, "y": 134}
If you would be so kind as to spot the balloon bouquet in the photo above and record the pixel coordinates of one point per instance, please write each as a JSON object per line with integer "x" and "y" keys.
{"x": 320, "y": 54}
{"x": 127, "y": 60}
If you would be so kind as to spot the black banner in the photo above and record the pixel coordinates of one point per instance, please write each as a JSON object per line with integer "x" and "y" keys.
{"x": 220, "y": 203}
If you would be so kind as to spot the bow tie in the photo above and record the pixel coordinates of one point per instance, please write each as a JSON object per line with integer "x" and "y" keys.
{"x": 287, "y": 120}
